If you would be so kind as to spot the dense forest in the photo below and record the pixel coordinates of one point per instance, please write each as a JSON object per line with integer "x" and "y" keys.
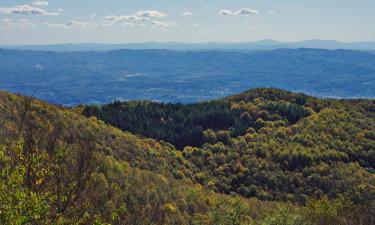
{"x": 181, "y": 125}
{"x": 266, "y": 156}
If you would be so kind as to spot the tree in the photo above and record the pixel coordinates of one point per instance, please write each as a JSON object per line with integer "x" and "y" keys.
{"x": 20, "y": 204}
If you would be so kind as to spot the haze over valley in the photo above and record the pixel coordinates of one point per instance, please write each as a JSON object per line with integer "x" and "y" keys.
{"x": 72, "y": 78}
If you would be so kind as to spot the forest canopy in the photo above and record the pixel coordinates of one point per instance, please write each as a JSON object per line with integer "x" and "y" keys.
{"x": 265, "y": 156}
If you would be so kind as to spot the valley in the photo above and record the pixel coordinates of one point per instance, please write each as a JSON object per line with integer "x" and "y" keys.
{"x": 72, "y": 78}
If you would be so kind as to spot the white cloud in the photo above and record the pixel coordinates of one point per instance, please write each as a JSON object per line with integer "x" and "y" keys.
{"x": 134, "y": 25}
{"x": 271, "y": 12}
{"x": 26, "y": 9}
{"x": 60, "y": 10}
{"x": 112, "y": 18}
{"x": 78, "y": 24}
{"x": 161, "y": 24}
{"x": 138, "y": 16}
{"x": 139, "y": 19}
{"x": 225, "y": 12}
{"x": 243, "y": 11}
{"x": 54, "y": 25}
{"x": 40, "y": 3}
{"x": 186, "y": 14}
{"x": 7, "y": 24}
{"x": 247, "y": 11}
{"x": 73, "y": 24}
{"x": 150, "y": 14}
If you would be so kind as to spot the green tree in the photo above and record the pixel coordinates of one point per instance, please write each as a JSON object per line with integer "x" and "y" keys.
{"x": 20, "y": 204}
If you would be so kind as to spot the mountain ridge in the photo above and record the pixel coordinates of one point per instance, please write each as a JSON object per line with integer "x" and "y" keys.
{"x": 256, "y": 45}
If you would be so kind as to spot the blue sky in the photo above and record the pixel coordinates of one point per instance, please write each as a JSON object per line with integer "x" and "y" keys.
{"x": 124, "y": 21}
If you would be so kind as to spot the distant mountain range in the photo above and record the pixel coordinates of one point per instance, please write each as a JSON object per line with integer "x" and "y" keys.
{"x": 258, "y": 45}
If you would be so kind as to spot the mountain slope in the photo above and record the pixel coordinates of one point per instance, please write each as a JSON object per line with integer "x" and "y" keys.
{"x": 80, "y": 170}
{"x": 58, "y": 167}
{"x": 287, "y": 146}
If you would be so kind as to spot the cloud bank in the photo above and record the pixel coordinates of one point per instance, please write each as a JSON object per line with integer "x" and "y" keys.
{"x": 140, "y": 19}
{"x": 26, "y": 9}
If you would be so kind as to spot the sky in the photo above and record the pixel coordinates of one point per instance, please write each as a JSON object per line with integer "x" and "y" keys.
{"x": 125, "y": 21}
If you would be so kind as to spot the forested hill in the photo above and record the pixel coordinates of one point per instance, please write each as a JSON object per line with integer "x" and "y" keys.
{"x": 189, "y": 124}
{"x": 262, "y": 157}
{"x": 267, "y": 143}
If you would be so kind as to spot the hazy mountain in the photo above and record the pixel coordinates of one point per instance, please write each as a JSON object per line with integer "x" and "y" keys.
{"x": 258, "y": 45}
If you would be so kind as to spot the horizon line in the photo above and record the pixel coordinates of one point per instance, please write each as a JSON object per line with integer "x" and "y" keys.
{"x": 187, "y": 42}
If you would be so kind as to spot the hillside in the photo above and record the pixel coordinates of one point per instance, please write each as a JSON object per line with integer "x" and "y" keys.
{"x": 305, "y": 160}
{"x": 267, "y": 143}
{"x": 80, "y": 166}
{"x": 71, "y": 78}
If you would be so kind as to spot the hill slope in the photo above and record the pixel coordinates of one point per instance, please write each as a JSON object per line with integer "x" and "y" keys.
{"x": 59, "y": 167}
{"x": 267, "y": 143}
